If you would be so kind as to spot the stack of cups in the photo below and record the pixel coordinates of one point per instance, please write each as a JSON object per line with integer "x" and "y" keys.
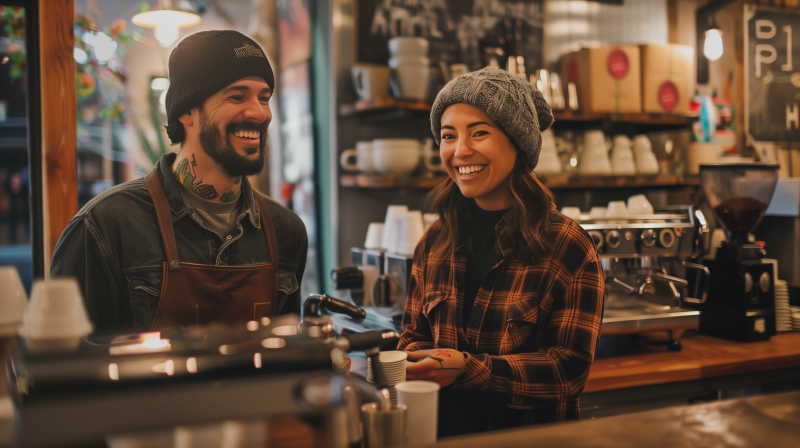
{"x": 374, "y": 236}
{"x": 393, "y": 364}
{"x": 411, "y": 67}
{"x": 56, "y": 318}
{"x": 411, "y": 230}
{"x": 421, "y": 399}
{"x": 646, "y": 161}
{"x": 391, "y": 227}
{"x": 13, "y": 301}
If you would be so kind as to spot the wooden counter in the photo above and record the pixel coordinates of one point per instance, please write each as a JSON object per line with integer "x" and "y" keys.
{"x": 702, "y": 357}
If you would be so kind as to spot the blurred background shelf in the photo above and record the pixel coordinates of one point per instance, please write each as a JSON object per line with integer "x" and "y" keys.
{"x": 385, "y": 108}
{"x": 568, "y": 181}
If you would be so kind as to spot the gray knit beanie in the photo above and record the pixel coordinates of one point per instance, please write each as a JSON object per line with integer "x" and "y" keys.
{"x": 512, "y": 102}
{"x": 205, "y": 62}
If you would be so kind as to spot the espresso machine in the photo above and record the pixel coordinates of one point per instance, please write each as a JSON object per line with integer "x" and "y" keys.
{"x": 642, "y": 258}
{"x": 741, "y": 294}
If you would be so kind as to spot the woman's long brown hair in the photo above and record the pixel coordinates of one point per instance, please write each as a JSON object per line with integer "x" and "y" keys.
{"x": 526, "y": 222}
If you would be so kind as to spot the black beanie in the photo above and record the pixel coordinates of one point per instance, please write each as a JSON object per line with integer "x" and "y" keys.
{"x": 205, "y": 62}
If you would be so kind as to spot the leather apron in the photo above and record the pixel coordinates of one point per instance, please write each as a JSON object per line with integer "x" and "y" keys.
{"x": 201, "y": 293}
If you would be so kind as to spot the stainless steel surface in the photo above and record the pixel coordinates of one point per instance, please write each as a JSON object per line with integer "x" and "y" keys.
{"x": 648, "y": 319}
{"x": 383, "y": 428}
{"x": 766, "y": 421}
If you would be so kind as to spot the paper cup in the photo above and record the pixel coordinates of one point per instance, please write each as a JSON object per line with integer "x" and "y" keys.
{"x": 421, "y": 398}
{"x": 13, "y": 301}
{"x": 374, "y": 236}
{"x": 55, "y": 313}
{"x": 391, "y": 228}
{"x": 411, "y": 231}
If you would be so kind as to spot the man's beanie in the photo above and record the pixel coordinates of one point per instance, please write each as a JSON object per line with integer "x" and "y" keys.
{"x": 512, "y": 102}
{"x": 205, "y": 62}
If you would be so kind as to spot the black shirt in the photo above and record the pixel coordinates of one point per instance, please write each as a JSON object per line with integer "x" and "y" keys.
{"x": 466, "y": 411}
{"x": 483, "y": 256}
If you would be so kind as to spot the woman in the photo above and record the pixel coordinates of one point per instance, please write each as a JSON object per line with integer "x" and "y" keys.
{"x": 506, "y": 294}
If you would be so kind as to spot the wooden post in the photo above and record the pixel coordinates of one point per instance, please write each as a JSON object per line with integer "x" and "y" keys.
{"x": 59, "y": 110}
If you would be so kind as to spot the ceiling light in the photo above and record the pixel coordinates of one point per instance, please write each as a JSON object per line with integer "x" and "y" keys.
{"x": 166, "y": 20}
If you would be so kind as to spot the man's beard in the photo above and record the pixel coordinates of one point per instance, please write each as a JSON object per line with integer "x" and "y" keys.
{"x": 224, "y": 154}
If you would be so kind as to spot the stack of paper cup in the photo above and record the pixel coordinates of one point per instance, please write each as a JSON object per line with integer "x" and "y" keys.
{"x": 422, "y": 401}
{"x": 410, "y": 67}
{"x": 374, "y": 236}
{"x": 393, "y": 364}
{"x": 391, "y": 227}
{"x": 411, "y": 230}
{"x": 795, "y": 310}
{"x": 783, "y": 314}
{"x": 699, "y": 153}
{"x": 56, "y": 318}
{"x": 13, "y": 301}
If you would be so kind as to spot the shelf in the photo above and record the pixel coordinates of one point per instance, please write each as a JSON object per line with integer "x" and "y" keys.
{"x": 561, "y": 182}
{"x": 389, "y": 181}
{"x": 389, "y": 107}
{"x": 574, "y": 181}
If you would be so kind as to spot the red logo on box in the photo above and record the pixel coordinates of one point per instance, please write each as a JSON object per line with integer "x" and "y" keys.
{"x": 668, "y": 95}
{"x": 618, "y": 64}
{"x": 573, "y": 71}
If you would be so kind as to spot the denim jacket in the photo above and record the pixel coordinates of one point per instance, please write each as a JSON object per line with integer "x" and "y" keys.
{"x": 114, "y": 248}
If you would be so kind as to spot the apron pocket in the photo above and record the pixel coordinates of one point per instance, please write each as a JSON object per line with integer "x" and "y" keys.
{"x": 287, "y": 285}
{"x": 144, "y": 288}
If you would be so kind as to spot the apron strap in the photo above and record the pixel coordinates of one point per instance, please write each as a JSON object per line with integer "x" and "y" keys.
{"x": 164, "y": 217}
{"x": 269, "y": 232}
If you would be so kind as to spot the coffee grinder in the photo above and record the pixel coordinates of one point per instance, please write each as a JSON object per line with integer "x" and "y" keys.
{"x": 741, "y": 294}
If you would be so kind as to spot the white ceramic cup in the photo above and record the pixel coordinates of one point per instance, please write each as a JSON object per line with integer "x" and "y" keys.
{"x": 374, "y": 236}
{"x": 363, "y": 158}
{"x": 408, "y": 46}
{"x": 13, "y": 301}
{"x": 641, "y": 143}
{"x": 639, "y": 205}
{"x": 411, "y": 230}
{"x": 391, "y": 228}
{"x": 371, "y": 81}
{"x": 396, "y": 156}
{"x": 594, "y": 158}
{"x": 622, "y": 163}
{"x": 617, "y": 208}
{"x": 411, "y": 81}
{"x": 422, "y": 400}
{"x": 56, "y": 315}
{"x": 646, "y": 161}
{"x": 598, "y": 212}
{"x": 409, "y": 61}
{"x": 573, "y": 213}
{"x": 549, "y": 163}
{"x": 432, "y": 157}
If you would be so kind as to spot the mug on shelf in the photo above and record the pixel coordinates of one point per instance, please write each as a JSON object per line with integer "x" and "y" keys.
{"x": 358, "y": 159}
{"x": 398, "y": 156}
{"x": 371, "y": 81}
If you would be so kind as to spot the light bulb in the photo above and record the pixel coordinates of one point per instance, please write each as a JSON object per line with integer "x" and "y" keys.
{"x": 712, "y": 47}
{"x": 166, "y": 32}
{"x": 80, "y": 56}
{"x": 103, "y": 46}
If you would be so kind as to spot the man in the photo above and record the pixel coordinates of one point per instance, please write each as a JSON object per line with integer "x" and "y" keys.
{"x": 193, "y": 242}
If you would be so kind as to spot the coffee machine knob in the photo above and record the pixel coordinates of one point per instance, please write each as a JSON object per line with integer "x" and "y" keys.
{"x": 748, "y": 282}
{"x": 649, "y": 237}
{"x": 613, "y": 239}
{"x": 667, "y": 238}
{"x": 597, "y": 237}
{"x": 764, "y": 282}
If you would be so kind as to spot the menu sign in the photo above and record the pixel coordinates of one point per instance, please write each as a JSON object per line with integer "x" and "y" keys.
{"x": 772, "y": 79}
{"x": 456, "y": 29}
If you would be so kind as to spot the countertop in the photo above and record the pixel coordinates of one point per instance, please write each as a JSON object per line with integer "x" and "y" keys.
{"x": 702, "y": 357}
{"x": 772, "y": 420}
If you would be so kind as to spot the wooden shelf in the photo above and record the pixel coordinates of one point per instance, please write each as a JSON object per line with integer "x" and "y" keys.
{"x": 560, "y": 182}
{"x": 389, "y": 181}
{"x": 574, "y": 181}
{"x": 389, "y": 107}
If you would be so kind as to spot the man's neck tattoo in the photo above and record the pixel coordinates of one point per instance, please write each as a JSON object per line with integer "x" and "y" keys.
{"x": 187, "y": 175}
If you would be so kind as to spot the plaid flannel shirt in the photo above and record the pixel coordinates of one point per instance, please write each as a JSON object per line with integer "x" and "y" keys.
{"x": 533, "y": 329}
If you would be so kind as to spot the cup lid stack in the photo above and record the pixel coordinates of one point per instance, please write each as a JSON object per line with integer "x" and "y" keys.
{"x": 393, "y": 364}
{"x": 783, "y": 316}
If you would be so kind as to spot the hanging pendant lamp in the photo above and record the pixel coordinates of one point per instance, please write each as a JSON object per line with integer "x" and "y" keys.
{"x": 166, "y": 20}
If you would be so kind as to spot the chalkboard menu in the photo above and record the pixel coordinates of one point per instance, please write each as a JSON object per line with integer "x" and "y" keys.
{"x": 772, "y": 81}
{"x": 458, "y": 30}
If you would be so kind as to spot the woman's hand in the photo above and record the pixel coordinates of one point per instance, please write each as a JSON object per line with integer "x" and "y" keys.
{"x": 438, "y": 365}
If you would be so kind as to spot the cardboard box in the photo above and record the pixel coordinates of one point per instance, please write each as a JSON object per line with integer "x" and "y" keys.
{"x": 666, "y": 75}
{"x": 608, "y": 78}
